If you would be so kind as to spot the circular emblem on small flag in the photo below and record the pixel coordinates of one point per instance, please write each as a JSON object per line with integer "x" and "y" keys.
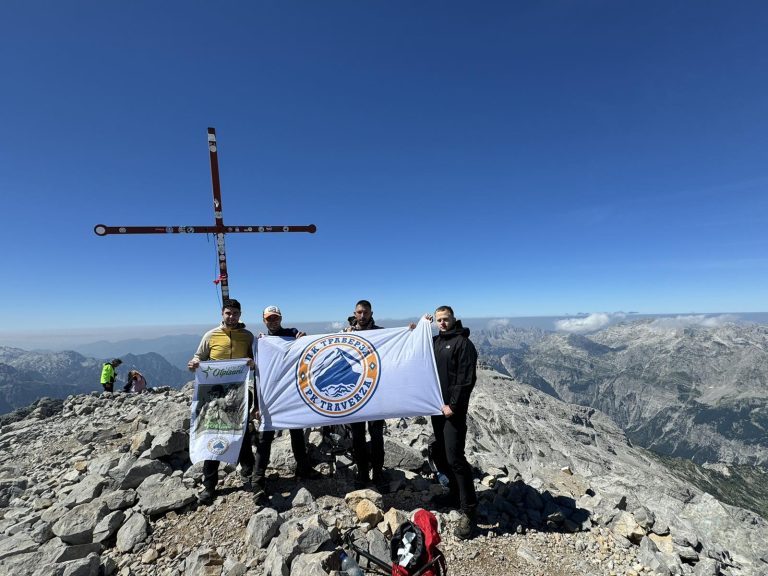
{"x": 218, "y": 445}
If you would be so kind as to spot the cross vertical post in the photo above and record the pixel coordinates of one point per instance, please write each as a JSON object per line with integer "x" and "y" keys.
{"x": 221, "y": 251}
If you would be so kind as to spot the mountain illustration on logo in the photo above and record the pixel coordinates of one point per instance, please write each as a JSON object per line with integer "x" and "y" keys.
{"x": 219, "y": 445}
{"x": 337, "y": 374}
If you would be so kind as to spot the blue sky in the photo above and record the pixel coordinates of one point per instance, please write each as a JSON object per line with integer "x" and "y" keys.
{"x": 508, "y": 158}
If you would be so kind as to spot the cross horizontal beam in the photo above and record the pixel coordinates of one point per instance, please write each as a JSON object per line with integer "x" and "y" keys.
{"x": 104, "y": 230}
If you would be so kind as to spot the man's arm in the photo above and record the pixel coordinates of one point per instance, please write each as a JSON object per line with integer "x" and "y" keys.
{"x": 202, "y": 353}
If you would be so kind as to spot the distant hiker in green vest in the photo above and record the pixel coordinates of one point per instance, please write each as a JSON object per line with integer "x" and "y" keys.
{"x": 109, "y": 374}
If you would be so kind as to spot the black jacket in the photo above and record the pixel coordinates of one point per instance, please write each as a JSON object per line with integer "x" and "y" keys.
{"x": 289, "y": 332}
{"x": 456, "y": 360}
{"x": 355, "y": 327}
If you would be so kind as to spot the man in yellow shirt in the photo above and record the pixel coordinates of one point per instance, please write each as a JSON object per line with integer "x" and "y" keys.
{"x": 228, "y": 341}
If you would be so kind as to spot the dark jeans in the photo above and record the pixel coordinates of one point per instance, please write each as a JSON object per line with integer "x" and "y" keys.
{"x": 360, "y": 447}
{"x": 264, "y": 449}
{"x": 448, "y": 455}
{"x": 109, "y": 386}
{"x": 246, "y": 459}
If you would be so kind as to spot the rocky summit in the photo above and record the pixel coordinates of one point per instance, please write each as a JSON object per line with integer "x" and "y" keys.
{"x": 102, "y": 484}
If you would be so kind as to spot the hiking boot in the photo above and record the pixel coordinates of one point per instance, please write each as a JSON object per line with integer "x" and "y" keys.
{"x": 464, "y": 526}
{"x": 306, "y": 473}
{"x": 260, "y": 497}
{"x": 360, "y": 482}
{"x": 447, "y": 500}
{"x": 380, "y": 482}
{"x": 206, "y": 496}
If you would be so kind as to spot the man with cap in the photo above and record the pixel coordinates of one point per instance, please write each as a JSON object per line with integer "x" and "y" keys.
{"x": 273, "y": 319}
{"x": 109, "y": 374}
{"x": 228, "y": 341}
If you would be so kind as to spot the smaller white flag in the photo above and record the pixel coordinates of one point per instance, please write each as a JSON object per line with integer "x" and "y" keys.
{"x": 347, "y": 377}
{"x": 219, "y": 410}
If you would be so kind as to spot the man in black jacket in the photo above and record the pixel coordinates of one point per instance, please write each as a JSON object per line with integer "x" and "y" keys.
{"x": 456, "y": 361}
{"x": 273, "y": 321}
{"x": 363, "y": 320}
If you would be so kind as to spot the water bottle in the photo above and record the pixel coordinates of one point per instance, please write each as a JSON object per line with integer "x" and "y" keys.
{"x": 443, "y": 479}
{"x": 349, "y": 566}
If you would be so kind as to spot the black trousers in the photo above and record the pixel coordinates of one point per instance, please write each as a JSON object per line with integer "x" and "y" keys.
{"x": 264, "y": 449}
{"x": 448, "y": 455}
{"x": 109, "y": 386}
{"x": 246, "y": 460}
{"x": 375, "y": 461}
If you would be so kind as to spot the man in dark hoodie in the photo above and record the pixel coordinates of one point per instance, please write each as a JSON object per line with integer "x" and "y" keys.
{"x": 456, "y": 361}
{"x": 273, "y": 319}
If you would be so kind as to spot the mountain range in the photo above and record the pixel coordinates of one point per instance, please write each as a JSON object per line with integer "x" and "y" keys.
{"x": 697, "y": 392}
{"x": 26, "y": 375}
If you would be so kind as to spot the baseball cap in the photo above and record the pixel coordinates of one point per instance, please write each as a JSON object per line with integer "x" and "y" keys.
{"x": 272, "y": 311}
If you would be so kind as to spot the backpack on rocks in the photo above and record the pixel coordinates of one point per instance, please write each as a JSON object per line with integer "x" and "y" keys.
{"x": 413, "y": 549}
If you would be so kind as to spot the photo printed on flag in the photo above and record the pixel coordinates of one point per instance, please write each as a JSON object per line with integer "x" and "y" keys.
{"x": 219, "y": 410}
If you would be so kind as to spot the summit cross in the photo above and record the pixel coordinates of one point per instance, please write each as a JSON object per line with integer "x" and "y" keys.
{"x": 218, "y": 230}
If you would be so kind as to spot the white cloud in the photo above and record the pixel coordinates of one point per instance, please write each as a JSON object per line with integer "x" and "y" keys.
{"x": 498, "y": 323}
{"x": 594, "y": 321}
{"x": 678, "y": 322}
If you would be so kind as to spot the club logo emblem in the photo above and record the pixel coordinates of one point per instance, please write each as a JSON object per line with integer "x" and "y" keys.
{"x": 338, "y": 375}
{"x": 218, "y": 445}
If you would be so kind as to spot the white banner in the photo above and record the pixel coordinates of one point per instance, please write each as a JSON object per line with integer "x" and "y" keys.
{"x": 219, "y": 410}
{"x": 347, "y": 377}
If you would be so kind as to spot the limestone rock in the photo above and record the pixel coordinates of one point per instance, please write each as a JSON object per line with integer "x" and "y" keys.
{"x": 77, "y": 525}
{"x": 108, "y": 526}
{"x": 262, "y": 526}
{"x": 132, "y": 532}
{"x": 203, "y": 562}
{"x": 368, "y": 512}
{"x": 352, "y": 498}
{"x": 142, "y": 469}
{"x": 159, "y": 493}
{"x": 317, "y": 564}
{"x": 623, "y": 524}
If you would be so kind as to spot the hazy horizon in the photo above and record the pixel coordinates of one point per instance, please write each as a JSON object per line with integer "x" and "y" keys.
{"x": 60, "y": 339}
